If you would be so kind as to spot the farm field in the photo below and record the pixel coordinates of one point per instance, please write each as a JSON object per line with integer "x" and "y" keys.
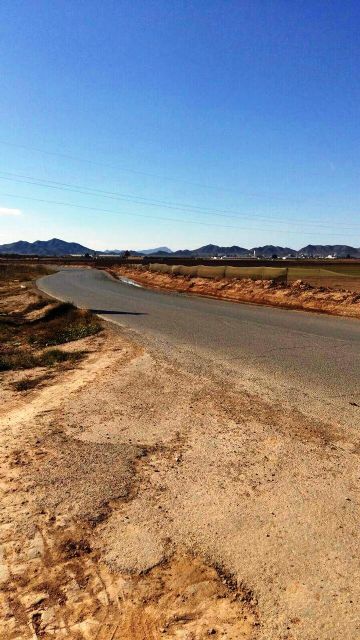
{"x": 333, "y": 277}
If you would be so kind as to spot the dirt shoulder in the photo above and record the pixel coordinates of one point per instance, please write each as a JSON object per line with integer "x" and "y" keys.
{"x": 143, "y": 501}
{"x": 68, "y": 473}
{"x": 297, "y": 295}
{"x": 62, "y": 480}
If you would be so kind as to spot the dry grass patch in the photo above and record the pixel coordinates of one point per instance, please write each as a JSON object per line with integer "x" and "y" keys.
{"x": 31, "y": 326}
{"x": 27, "y": 384}
{"x": 28, "y": 360}
{"x": 64, "y": 323}
{"x": 22, "y": 272}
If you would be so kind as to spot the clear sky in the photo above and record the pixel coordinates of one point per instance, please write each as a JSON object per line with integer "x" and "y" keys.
{"x": 228, "y": 121}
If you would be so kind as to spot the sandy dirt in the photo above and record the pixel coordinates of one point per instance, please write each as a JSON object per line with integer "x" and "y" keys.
{"x": 60, "y": 487}
{"x": 148, "y": 495}
{"x": 296, "y": 295}
{"x": 16, "y": 296}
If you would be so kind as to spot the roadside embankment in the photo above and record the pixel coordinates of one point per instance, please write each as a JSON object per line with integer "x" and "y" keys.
{"x": 296, "y": 295}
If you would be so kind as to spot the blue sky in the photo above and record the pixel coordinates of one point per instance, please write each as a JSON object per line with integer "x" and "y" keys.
{"x": 247, "y": 112}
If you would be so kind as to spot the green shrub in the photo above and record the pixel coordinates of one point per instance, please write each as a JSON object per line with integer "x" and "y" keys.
{"x": 59, "y": 310}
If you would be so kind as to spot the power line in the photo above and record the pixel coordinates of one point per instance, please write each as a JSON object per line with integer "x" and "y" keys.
{"x": 111, "y": 166}
{"x": 97, "y": 209}
{"x": 145, "y": 173}
{"x": 223, "y": 213}
{"x": 64, "y": 186}
{"x": 139, "y": 215}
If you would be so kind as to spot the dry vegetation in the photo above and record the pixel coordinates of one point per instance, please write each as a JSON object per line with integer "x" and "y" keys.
{"x": 296, "y": 295}
{"x": 31, "y": 326}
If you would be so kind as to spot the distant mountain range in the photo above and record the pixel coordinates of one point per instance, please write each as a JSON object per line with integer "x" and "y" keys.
{"x": 141, "y": 252}
{"x": 267, "y": 251}
{"x": 56, "y": 247}
{"x": 323, "y": 250}
{"x": 114, "y": 252}
{"x": 148, "y": 252}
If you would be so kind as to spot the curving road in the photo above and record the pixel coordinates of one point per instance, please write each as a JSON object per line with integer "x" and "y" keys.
{"x": 315, "y": 352}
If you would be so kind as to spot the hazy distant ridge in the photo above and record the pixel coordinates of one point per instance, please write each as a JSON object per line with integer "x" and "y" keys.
{"x": 267, "y": 251}
{"x": 56, "y": 247}
{"x": 53, "y": 247}
{"x": 147, "y": 252}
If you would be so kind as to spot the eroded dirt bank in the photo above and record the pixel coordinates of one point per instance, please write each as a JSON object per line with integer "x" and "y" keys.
{"x": 297, "y": 295}
{"x": 149, "y": 496}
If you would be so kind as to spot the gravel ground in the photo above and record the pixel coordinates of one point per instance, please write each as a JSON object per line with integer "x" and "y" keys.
{"x": 161, "y": 493}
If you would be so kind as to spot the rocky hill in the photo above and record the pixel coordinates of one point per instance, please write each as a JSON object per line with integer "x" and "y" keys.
{"x": 53, "y": 247}
{"x": 324, "y": 250}
{"x": 266, "y": 251}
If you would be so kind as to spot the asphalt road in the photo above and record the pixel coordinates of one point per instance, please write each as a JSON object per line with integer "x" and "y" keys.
{"x": 306, "y": 350}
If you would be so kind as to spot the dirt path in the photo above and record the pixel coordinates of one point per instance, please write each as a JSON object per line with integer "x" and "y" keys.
{"x": 147, "y": 495}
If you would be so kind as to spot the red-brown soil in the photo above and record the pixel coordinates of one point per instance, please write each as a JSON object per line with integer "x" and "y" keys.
{"x": 297, "y": 295}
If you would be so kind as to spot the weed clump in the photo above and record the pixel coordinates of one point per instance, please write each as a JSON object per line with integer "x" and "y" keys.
{"x": 51, "y": 357}
{"x": 28, "y": 360}
{"x": 64, "y": 324}
{"x": 15, "y": 361}
{"x": 26, "y": 384}
{"x": 29, "y": 343}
